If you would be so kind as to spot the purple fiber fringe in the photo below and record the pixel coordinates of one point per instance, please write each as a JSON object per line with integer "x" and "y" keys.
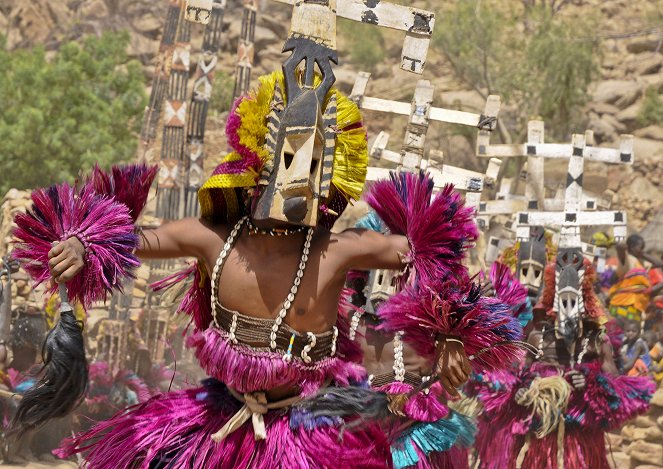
{"x": 605, "y": 404}
{"x": 507, "y": 288}
{"x": 177, "y": 426}
{"x": 249, "y": 158}
{"x": 247, "y": 370}
{"x": 460, "y": 311}
{"x": 103, "y": 226}
{"x": 438, "y": 230}
{"x": 421, "y": 407}
{"x": 127, "y": 184}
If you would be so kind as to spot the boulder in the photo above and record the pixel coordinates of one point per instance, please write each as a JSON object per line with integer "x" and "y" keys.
{"x": 612, "y": 91}
{"x": 603, "y": 108}
{"x": 147, "y": 24}
{"x": 642, "y": 188}
{"x": 657, "y": 398}
{"x": 142, "y": 48}
{"x": 633, "y": 433}
{"x": 653, "y": 435}
{"x": 650, "y": 63}
{"x": 654, "y": 132}
{"x": 646, "y": 148}
{"x": 619, "y": 460}
{"x": 96, "y": 9}
{"x": 643, "y": 45}
{"x": 644, "y": 452}
{"x": 654, "y": 81}
{"x": 629, "y": 116}
{"x": 602, "y": 128}
{"x": 644, "y": 421}
{"x": 614, "y": 439}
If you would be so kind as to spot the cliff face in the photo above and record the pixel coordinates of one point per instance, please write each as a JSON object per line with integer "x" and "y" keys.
{"x": 631, "y": 64}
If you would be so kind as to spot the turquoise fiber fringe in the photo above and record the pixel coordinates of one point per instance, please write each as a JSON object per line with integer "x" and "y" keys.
{"x": 429, "y": 437}
{"x": 371, "y": 221}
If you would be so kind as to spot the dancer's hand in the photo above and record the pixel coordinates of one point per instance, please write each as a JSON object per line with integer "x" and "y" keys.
{"x": 453, "y": 366}
{"x": 577, "y": 380}
{"x": 66, "y": 260}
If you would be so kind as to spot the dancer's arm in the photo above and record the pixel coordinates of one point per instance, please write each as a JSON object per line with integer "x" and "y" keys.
{"x": 182, "y": 238}
{"x": 367, "y": 250}
{"x": 607, "y": 359}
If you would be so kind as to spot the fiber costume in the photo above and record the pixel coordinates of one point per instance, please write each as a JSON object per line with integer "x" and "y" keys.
{"x": 207, "y": 427}
{"x": 550, "y": 423}
{"x": 420, "y": 310}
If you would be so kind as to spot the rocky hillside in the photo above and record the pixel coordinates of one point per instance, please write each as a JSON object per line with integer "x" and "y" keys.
{"x": 631, "y": 71}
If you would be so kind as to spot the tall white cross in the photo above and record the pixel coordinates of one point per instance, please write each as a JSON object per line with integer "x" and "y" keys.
{"x": 573, "y": 217}
{"x": 421, "y": 112}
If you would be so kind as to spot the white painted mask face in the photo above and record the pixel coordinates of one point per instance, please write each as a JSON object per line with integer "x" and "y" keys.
{"x": 532, "y": 261}
{"x": 569, "y": 304}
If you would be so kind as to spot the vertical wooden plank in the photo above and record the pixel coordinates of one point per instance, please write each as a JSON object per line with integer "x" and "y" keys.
{"x": 535, "y": 188}
{"x": 415, "y": 135}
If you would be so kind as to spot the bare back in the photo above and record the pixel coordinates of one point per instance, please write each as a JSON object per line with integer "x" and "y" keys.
{"x": 260, "y": 269}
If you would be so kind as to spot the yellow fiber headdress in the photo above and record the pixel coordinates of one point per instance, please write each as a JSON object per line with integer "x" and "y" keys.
{"x": 221, "y": 198}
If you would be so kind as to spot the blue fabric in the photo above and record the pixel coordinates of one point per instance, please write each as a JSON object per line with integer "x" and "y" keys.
{"x": 431, "y": 437}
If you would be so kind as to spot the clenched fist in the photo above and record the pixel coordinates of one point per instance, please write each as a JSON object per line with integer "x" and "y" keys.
{"x": 577, "y": 379}
{"x": 66, "y": 260}
{"x": 453, "y": 366}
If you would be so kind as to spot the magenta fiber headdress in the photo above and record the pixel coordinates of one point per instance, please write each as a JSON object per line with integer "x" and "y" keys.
{"x": 103, "y": 226}
{"x": 447, "y": 309}
{"x": 438, "y": 230}
{"x": 506, "y": 285}
{"x": 128, "y": 185}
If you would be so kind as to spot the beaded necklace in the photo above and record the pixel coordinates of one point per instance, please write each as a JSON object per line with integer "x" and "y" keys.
{"x": 283, "y": 312}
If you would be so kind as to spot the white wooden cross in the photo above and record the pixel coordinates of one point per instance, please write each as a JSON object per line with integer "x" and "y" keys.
{"x": 382, "y": 283}
{"x": 536, "y": 152}
{"x": 418, "y": 24}
{"x": 573, "y": 217}
{"x": 421, "y": 113}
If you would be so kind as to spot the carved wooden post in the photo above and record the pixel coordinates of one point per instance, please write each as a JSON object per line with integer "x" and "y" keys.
{"x": 418, "y": 25}
{"x": 171, "y": 174}
{"x": 112, "y": 344}
{"x": 537, "y": 152}
{"x": 421, "y": 113}
{"x": 245, "y": 48}
{"x": 161, "y": 75}
{"x": 199, "y": 106}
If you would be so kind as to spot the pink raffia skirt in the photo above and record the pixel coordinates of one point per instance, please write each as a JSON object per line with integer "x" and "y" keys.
{"x": 174, "y": 430}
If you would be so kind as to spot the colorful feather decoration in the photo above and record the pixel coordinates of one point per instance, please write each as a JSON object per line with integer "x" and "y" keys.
{"x": 128, "y": 185}
{"x": 445, "y": 308}
{"x": 102, "y": 225}
{"x": 439, "y": 229}
{"x": 509, "y": 290}
{"x": 425, "y": 438}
